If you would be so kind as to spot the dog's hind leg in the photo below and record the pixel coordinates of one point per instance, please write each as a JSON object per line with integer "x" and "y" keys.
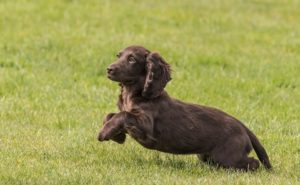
{"x": 206, "y": 158}
{"x": 203, "y": 157}
{"x": 234, "y": 154}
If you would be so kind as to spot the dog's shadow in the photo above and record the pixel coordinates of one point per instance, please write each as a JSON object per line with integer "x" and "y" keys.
{"x": 178, "y": 163}
{"x": 169, "y": 161}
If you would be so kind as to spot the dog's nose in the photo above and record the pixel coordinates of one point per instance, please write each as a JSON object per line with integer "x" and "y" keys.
{"x": 109, "y": 70}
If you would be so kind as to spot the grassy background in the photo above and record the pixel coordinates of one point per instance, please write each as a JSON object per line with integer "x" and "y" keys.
{"x": 240, "y": 56}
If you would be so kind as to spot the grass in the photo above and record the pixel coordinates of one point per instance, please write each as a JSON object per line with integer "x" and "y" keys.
{"x": 240, "y": 56}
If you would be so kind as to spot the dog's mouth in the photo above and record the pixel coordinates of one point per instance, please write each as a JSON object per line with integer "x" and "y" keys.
{"x": 118, "y": 79}
{"x": 112, "y": 77}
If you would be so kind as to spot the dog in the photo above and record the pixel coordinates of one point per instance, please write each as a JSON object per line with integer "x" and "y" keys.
{"x": 159, "y": 122}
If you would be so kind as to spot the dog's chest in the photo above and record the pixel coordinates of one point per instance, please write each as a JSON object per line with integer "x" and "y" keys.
{"x": 127, "y": 104}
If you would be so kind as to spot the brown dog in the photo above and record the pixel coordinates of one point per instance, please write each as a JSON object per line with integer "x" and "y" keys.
{"x": 157, "y": 121}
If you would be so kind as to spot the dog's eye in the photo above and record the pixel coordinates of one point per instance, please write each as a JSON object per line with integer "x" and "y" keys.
{"x": 131, "y": 60}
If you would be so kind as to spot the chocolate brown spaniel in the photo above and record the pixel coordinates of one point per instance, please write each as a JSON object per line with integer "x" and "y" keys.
{"x": 157, "y": 121}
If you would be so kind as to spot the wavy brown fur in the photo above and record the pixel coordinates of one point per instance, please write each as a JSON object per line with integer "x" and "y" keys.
{"x": 159, "y": 122}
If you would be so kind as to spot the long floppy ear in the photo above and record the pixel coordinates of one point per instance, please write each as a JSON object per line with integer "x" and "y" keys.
{"x": 158, "y": 75}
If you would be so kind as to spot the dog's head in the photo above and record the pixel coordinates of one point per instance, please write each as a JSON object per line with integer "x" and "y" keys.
{"x": 136, "y": 65}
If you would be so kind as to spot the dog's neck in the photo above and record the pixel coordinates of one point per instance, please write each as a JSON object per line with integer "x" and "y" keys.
{"x": 130, "y": 91}
{"x": 133, "y": 92}
{"x": 128, "y": 98}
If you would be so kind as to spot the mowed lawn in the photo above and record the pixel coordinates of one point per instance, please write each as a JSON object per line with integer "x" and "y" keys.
{"x": 240, "y": 56}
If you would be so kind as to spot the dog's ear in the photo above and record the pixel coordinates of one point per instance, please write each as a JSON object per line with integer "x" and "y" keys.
{"x": 158, "y": 75}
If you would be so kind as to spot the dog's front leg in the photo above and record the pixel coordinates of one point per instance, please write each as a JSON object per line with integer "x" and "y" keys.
{"x": 135, "y": 127}
{"x": 111, "y": 130}
{"x": 108, "y": 117}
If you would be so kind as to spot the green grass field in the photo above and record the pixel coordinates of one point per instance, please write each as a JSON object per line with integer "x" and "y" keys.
{"x": 240, "y": 56}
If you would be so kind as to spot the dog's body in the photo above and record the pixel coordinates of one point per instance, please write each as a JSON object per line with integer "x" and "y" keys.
{"x": 157, "y": 121}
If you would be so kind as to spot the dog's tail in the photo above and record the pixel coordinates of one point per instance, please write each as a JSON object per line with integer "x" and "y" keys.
{"x": 259, "y": 149}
